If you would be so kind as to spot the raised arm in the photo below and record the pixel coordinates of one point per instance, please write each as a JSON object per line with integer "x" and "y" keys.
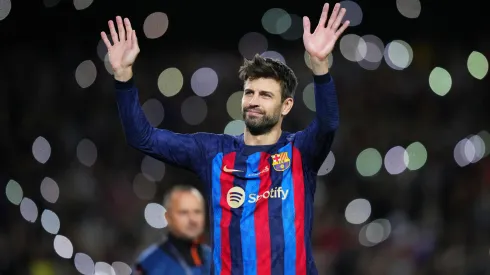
{"x": 182, "y": 150}
{"x": 315, "y": 141}
{"x": 177, "y": 149}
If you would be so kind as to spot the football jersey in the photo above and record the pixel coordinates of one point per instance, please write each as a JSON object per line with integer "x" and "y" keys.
{"x": 260, "y": 197}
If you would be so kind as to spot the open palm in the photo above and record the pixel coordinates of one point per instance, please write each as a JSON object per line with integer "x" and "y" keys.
{"x": 125, "y": 49}
{"x": 321, "y": 42}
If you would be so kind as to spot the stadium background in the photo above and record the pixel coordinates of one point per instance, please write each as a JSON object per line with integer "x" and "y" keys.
{"x": 405, "y": 190}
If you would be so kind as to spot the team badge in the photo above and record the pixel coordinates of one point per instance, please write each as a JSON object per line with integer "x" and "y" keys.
{"x": 281, "y": 161}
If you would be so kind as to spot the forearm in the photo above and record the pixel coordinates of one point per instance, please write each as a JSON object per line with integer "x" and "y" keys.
{"x": 326, "y": 103}
{"x": 137, "y": 129}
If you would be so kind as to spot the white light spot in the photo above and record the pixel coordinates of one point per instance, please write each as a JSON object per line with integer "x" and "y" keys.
{"x": 82, "y": 4}
{"x": 155, "y": 215}
{"x": 204, "y": 81}
{"x": 121, "y": 268}
{"x": 84, "y": 264}
{"x": 396, "y": 160}
{"x": 63, "y": 246}
{"x": 86, "y": 152}
{"x": 41, "y": 150}
{"x": 5, "y": 8}
{"x": 14, "y": 192}
{"x": 152, "y": 169}
{"x": 50, "y": 190}
{"x": 155, "y": 25}
{"x": 327, "y": 165}
{"x": 28, "y": 210}
{"x": 86, "y": 73}
{"x": 358, "y": 211}
{"x": 102, "y": 268}
{"x": 50, "y": 222}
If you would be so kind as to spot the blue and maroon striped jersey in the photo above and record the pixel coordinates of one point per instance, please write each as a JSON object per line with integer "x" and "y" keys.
{"x": 261, "y": 197}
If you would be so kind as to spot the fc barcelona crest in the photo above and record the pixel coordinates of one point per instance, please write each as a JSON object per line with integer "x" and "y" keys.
{"x": 281, "y": 161}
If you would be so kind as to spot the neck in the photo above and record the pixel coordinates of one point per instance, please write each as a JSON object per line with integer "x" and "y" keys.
{"x": 179, "y": 241}
{"x": 266, "y": 139}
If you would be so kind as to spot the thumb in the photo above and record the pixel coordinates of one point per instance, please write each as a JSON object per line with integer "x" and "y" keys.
{"x": 306, "y": 25}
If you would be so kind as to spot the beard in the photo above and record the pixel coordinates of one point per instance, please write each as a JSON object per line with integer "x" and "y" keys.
{"x": 261, "y": 124}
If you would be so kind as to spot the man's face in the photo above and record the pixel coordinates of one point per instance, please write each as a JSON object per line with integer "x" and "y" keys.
{"x": 185, "y": 215}
{"x": 261, "y": 105}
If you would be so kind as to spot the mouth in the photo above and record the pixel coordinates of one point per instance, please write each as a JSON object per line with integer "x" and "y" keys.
{"x": 254, "y": 112}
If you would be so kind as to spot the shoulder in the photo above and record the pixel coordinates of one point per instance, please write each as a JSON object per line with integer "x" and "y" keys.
{"x": 150, "y": 254}
{"x": 217, "y": 142}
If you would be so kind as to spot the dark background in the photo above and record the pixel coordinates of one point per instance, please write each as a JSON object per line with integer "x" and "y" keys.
{"x": 439, "y": 214}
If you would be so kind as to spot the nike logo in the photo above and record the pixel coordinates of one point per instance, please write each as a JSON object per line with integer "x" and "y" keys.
{"x": 228, "y": 170}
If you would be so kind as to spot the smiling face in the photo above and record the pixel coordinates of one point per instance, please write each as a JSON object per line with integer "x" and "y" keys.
{"x": 263, "y": 106}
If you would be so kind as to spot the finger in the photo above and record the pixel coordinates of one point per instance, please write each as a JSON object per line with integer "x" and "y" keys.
{"x": 129, "y": 29}
{"x": 323, "y": 17}
{"x": 333, "y": 16}
{"x": 112, "y": 29}
{"x": 342, "y": 28}
{"x": 337, "y": 22}
{"x": 120, "y": 28}
{"x": 306, "y": 25}
{"x": 106, "y": 40}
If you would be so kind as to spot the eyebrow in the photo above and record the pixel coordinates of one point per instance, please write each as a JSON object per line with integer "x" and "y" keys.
{"x": 260, "y": 92}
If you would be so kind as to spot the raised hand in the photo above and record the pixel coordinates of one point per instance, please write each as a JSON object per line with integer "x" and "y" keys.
{"x": 124, "y": 50}
{"x": 321, "y": 42}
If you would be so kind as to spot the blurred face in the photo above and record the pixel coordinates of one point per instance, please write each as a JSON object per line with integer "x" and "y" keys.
{"x": 262, "y": 107}
{"x": 185, "y": 215}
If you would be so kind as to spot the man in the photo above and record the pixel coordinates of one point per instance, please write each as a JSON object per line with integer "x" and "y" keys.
{"x": 261, "y": 184}
{"x": 181, "y": 253}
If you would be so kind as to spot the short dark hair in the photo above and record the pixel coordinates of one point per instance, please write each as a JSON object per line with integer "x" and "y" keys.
{"x": 264, "y": 67}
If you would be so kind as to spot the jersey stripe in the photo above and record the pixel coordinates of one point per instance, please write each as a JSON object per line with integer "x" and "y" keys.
{"x": 249, "y": 249}
{"x": 299, "y": 206}
{"x": 275, "y": 223}
{"x": 289, "y": 212}
{"x": 236, "y": 214}
{"x": 217, "y": 164}
{"x": 224, "y": 184}
{"x": 263, "y": 239}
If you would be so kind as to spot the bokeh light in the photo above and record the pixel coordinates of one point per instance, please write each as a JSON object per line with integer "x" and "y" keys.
{"x": 86, "y": 73}
{"x": 417, "y": 156}
{"x": 470, "y": 150}
{"x": 234, "y": 105}
{"x": 369, "y": 162}
{"x": 276, "y": 21}
{"x": 84, "y": 264}
{"x": 87, "y": 152}
{"x": 104, "y": 268}
{"x": 485, "y": 136}
{"x": 374, "y": 52}
{"x": 155, "y": 215}
{"x": 51, "y": 3}
{"x": 327, "y": 165}
{"x": 353, "y": 13}
{"x": 50, "y": 222}
{"x": 353, "y": 47}
{"x": 121, "y": 268}
{"x": 398, "y": 54}
{"x": 50, "y": 190}
{"x": 14, "y": 192}
{"x": 251, "y": 44}
{"x": 409, "y": 8}
{"x": 396, "y": 160}
{"x": 440, "y": 81}
{"x": 358, "y": 211}
{"x": 309, "y": 96}
{"x": 295, "y": 31}
{"x": 170, "y": 82}
{"x": 374, "y": 232}
{"x": 274, "y": 55}
{"x": 155, "y": 25}
{"x": 28, "y": 210}
{"x": 152, "y": 169}
{"x": 144, "y": 188}
{"x": 41, "y": 150}
{"x": 204, "y": 81}
{"x": 82, "y": 4}
{"x": 194, "y": 110}
{"x": 477, "y": 65}
{"x": 5, "y": 8}
{"x": 63, "y": 246}
{"x": 154, "y": 111}
{"x": 235, "y": 127}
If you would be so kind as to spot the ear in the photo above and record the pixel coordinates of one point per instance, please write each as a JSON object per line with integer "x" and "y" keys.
{"x": 287, "y": 105}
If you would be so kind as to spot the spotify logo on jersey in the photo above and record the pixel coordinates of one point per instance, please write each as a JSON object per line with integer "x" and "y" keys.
{"x": 235, "y": 197}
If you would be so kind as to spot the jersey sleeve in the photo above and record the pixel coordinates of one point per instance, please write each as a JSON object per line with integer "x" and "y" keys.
{"x": 315, "y": 141}
{"x": 182, "y": 150}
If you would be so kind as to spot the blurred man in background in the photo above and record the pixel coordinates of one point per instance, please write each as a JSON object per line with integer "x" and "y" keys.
{"x": 182, "y": 252}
